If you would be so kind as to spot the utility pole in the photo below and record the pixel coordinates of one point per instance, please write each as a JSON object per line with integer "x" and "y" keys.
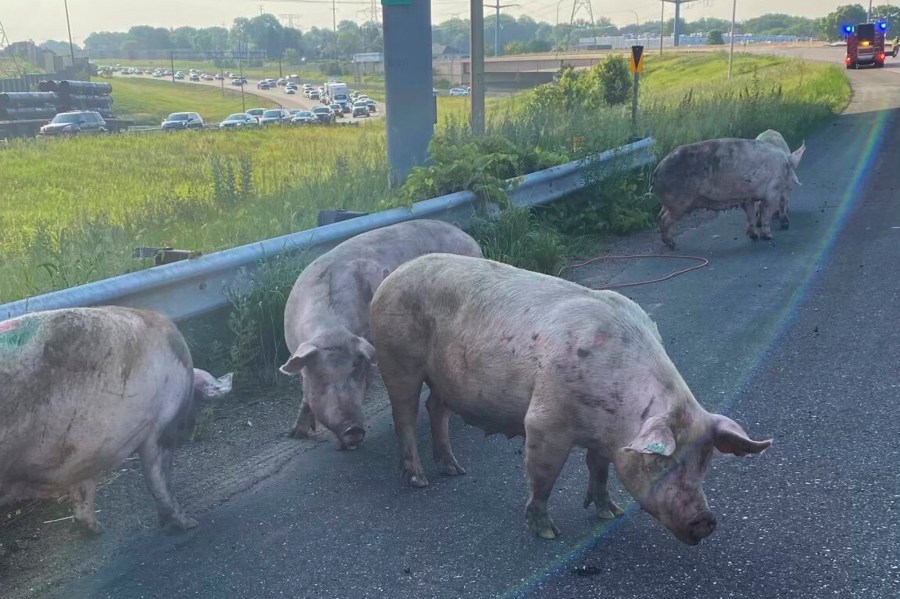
{"x": 662, "y": 26}
{"x": 497, "y": 7}
{"x": 869, "y": 12}
{"x": 72, "y": 46}
{"x": 731, "y": 52}
{"x": 477, "y": 62}
{"x": 334, "y": 28}
{"x": 676, "y": 30}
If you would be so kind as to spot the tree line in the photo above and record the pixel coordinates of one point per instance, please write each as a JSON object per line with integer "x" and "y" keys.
{"x": 266, "y": 34}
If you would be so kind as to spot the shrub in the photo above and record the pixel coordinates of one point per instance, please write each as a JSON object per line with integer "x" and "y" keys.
{"x": 615, "y": 79}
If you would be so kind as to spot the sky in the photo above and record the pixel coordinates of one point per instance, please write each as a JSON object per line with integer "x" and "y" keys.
{"x": 39, "y": 20}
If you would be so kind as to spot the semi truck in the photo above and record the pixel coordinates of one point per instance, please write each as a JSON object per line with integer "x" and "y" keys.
{"x": 865, "y": 45}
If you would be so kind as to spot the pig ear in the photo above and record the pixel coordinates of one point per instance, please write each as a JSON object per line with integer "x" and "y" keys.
{"x": 655, "y": 437}
{"x": 797, "y": 155}
{"x": 729, "y": 437}
{"x": 367, "y": 350}
{"x": 301, "y": 357}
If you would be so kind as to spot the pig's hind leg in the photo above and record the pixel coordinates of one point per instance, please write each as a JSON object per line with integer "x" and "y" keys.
{"x": 754, "y": 214}
{"x": 82, "y": 495}
{"x": 439, "y": 415}
{"x": 597, "y": 493}
{"x": 156, "y": 460}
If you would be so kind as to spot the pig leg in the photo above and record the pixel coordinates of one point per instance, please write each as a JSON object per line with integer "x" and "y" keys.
{"x": 156, "y": 461}
{"x": 750, "y": 209}
{"x": 597, "y": 493}
{"x": 767, "y": 211}
{"x": 783, "y": 213}
{"x": 82, "y": 495}
{"x": 404, "y": 390}
{"x": 546, "y": 450}
{"x": 666, "y": 222}
{"x": 305, "y": 423}
{"x": 439, "y": 415}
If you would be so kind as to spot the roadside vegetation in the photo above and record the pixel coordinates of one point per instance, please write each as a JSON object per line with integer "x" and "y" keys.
{"x": 74, "y": 210}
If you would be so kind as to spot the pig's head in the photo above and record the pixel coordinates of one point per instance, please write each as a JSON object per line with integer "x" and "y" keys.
{"x": 663, "y": 468}
{"x": 335, "y": 368}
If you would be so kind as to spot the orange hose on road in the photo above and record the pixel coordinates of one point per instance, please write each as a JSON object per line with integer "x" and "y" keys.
{"x": 703, "y": 263}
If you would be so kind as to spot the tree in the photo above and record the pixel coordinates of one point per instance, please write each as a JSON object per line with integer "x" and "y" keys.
{"x": 849, "y": 14}
{"x": 714, "y": 38}
{"x": 616, "y": 79}
{"x": 889, "y": 14}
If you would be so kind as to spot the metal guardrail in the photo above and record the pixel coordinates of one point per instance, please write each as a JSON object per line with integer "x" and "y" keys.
{"x": 193, "y": 287}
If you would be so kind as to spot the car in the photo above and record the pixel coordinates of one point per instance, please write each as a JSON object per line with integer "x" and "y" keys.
{"x": 75, "y": 122}
{"x": 206, "y": 77}
{"x": 219, "y": 77}
{"x": 338, "y": 110}
{"x": 179, "y": 75}
{"x": 304, "y": 117}
{"x": 313, "y": 95}
{"x": 239, "y": 120}
{"x": 324, "y": 114}
{"x": 371, "y": 104}
{"x": 290, "y": 91}
{"x": 281, "y": 81}
{"x": 182, "y": 120}
{"x": 459, "y": 91}
{"x": 195, "y": 77}
{"x": 275, "y": 116}
{"x": 238, "y": 81}
{"x": 264, "y": 84}
{"x": 256, "y": 113}
{"x": 360, "y": 108}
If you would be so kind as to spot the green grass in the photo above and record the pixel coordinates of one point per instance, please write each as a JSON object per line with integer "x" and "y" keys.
{"x": 149, "y": 101}
{"x": 72, "y": 209}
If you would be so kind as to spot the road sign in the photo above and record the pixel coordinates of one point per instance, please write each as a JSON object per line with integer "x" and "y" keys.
{"x": 637, "y": 59}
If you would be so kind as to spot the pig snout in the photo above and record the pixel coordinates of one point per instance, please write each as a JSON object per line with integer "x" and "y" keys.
{"x": 698, "y": 528}
{"x": 352, "y": 437}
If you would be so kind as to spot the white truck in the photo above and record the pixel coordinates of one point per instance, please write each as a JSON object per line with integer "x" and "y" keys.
{"x": 336, "y": 92}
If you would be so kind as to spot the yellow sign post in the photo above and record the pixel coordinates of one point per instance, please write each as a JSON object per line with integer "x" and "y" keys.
{"x": 636, "y": 67}
{"x": 637, "y": 59}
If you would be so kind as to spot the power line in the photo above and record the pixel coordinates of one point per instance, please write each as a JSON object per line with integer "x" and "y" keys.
{"x": 497, "y": 7}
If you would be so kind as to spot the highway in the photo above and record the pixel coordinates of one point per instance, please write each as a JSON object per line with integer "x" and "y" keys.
{"x": 796, "y": 339}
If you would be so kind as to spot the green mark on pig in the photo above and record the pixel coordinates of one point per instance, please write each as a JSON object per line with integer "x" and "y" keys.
{"x": 16, "y": 333}
{"x": 655, "y": 448}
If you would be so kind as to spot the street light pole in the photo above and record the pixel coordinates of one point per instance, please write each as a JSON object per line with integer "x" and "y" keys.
{"x": 662, "y": 25}
{"x": 731, "y": 52}
{"x": 69, "y": 27}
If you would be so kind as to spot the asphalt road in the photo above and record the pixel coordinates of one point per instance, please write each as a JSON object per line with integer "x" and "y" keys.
{"x": 795, "y": 338}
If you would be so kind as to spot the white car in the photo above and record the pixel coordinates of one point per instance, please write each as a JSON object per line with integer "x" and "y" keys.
{"x": 459, "y": 91}
{"x": 290, "y": 91}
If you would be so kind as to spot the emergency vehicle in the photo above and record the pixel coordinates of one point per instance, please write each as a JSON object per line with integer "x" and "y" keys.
{"x": 865, "y": 44}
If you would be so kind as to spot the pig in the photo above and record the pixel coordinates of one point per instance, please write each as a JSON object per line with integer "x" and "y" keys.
{"x": 326, "y": 320}
{"x": 776, "y": 139}
{"x": 82, "y": 389}
{"x": 720, "y": 174}
{"x": 526, "y": 354}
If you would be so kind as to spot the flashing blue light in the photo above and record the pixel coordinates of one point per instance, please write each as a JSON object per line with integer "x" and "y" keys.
{"x": 883, "y": 25}
{"x": 848, "y": 29}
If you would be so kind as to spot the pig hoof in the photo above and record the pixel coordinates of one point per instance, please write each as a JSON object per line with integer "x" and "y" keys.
{"x": 752, "y": 235}
{"x": 450, "y": 467}
{"x": 785, "y": 225}
{"x": 541, "y": 524}
{"x": 183, "y": 522}
{"x": 767, "y": 236}
{"x": 299, "y": 432}
{"x": 92, "y": 528}
{"x": 418, "y": 480}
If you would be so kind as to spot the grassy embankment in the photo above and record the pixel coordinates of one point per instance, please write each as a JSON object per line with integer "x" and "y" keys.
{"x": 149, "y": 101}
{"x": 72, "y": 210}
